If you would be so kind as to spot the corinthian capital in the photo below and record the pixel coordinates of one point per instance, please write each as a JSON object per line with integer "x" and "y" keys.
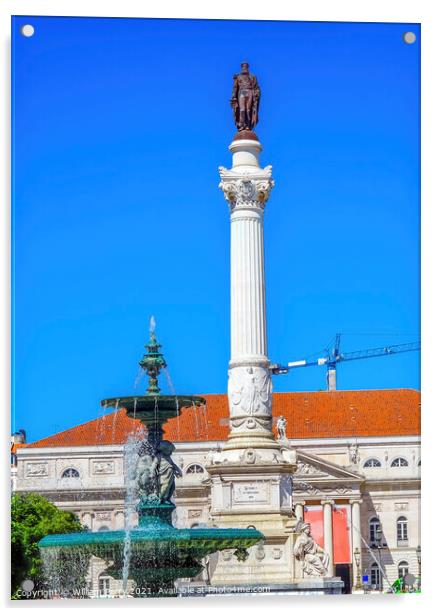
{"x": 244, "y": 189}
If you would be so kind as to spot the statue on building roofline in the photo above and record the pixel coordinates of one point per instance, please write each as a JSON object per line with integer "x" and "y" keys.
{"x": 314, "y": 559}
{"x": 281, "y": 426}
{"x": 245, "y": 99}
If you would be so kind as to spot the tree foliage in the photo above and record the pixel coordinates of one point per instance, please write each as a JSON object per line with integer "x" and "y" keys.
{"x": 32, "y": 518}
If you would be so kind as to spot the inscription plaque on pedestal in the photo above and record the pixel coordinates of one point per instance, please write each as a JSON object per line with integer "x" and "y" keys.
{"x": 250, "y": 493}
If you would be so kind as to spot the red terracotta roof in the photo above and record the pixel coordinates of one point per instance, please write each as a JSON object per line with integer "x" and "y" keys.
{"x": 387, "y": 412}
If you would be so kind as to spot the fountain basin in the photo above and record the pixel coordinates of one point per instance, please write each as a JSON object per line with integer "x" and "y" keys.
{"x": 200, "y": 541}
{"x": 159, "y": 553}
{"x": 155, "y": 408}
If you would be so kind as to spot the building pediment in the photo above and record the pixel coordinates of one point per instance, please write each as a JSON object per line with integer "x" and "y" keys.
{"x": 311, "y": 467}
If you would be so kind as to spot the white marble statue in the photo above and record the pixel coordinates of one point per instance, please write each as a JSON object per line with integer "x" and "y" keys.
{"x": 281, "y": 426}
{"x": 314, "y": 559}
{"x": 353, "y": 453}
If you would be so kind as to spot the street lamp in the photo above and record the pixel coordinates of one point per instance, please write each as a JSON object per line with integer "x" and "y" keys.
{"x": 378, "y": 538}
{"x": 357, "y": 556}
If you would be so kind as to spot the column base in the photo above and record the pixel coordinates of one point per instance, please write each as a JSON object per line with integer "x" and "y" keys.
{"x": 254, "y": 440}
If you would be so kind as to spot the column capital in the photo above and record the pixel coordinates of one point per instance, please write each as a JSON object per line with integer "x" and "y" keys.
{"x": 249, "y": 190}
{"x": 353, "y": 501}
{"x": 300, "y": 502}
{"x": 327, "y": 501}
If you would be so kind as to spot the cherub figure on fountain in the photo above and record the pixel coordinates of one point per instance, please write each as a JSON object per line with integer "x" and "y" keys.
{"x": 156, "y": 472}
{"x": 165, "y": 470}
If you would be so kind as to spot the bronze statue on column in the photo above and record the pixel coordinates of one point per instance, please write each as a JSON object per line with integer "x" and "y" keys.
{"x": 245, "y": 99}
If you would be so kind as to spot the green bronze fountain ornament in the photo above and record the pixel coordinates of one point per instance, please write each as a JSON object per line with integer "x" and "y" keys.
{"x": 159, "y": 553}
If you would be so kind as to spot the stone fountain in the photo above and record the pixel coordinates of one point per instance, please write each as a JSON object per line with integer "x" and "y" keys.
{"x": 158, "y": 552}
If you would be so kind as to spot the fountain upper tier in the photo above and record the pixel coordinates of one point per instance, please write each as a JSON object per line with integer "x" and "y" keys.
{"x": 154, "y": 408}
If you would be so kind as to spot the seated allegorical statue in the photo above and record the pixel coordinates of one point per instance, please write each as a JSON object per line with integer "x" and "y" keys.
{"x": 314, "y": 559}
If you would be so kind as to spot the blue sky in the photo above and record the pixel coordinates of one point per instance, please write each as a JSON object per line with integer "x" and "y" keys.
{"x": 119, "y": 126}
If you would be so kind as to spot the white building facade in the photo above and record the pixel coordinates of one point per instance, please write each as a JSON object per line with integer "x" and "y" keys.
{"x": 361, "y": 494}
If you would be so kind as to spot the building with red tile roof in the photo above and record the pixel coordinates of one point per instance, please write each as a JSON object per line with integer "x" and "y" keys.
{"x": 325, "y": 414}
{"x": 358, "y": 453}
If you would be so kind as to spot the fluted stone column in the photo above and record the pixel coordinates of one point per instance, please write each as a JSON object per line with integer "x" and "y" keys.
{"x": 247, "y": 187}
{"x": 251, "y": 475}
{"x": 356, "y": 538}
{"x": 327, "y": 534}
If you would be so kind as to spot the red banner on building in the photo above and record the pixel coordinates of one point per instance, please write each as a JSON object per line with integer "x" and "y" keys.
{"x": 340, "y": 530}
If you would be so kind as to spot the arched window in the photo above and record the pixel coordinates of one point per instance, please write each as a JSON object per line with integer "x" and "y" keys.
{"x": 399, "y": 462}
{"x": 374, "y": 527}
{"x": 402, "y": 529}
{"x": 372, "y": 463}
{"x": 70, "y": 472}
{"x": 403, "y": 569}
{"x": 103, "y": 528}
{"x": 375, "y": 577}
{"x": 194, "y": 468}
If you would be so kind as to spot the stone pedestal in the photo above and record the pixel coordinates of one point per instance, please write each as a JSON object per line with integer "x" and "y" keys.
{"x": 251, "y": 476}
{"x": 254, "y": 492}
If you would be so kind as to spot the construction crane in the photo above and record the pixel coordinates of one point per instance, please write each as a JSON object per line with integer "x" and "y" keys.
{"x": 335, "y": 356}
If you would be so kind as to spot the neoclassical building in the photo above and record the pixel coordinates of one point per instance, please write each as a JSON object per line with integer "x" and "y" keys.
{"x": 357, "y": 480}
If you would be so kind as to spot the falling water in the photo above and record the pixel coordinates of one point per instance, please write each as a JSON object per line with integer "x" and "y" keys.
{"x": 130, "y": 464}
{"x": 64, "y": 572}
{"x": 204, "y": 413}
{"x": 139, "y": 377}
{"x": 100, "y": 426}
{"x": 115, "y": 414}
{"x": 173, "y": 393}
{"x": 197, "y": 427}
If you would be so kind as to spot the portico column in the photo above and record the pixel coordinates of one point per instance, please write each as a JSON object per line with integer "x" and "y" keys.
{"x": 356, "y": 538}
{"x": 299, "y": 510}
{"x": 327, "y": 534}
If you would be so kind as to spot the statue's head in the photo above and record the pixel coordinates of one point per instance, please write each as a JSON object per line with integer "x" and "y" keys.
{"x": 244, "y": 67}
{"x": 166, "y": 448}
{"x": 302, "y": 527}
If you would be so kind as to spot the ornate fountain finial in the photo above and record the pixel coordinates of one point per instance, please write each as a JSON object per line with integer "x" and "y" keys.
{"x": 153, "y": 361}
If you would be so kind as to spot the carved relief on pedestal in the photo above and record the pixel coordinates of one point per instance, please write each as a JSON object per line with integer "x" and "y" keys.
{"x": 250, "y": 398}
{"x": 249, "y": 456}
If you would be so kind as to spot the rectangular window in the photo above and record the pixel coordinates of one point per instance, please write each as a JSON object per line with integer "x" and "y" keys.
{"x": 104, "y": 587}
{"x": 375, "y": 578}
{"x": 402, "y": 534}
